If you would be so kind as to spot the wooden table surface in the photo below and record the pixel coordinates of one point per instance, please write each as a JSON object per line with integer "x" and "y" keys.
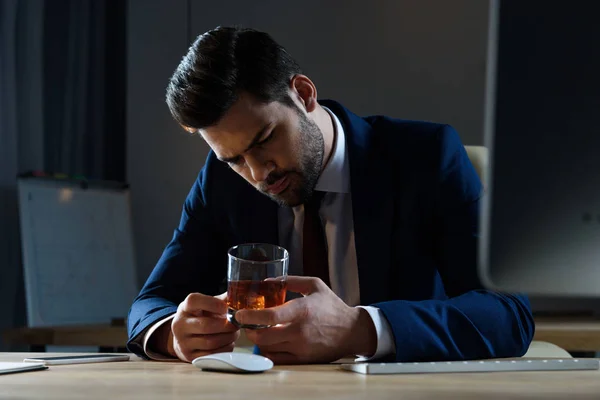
{"x": 573, "y": 334}
{"x": 570, "y": 333}
{"x": 79, "y": 335}
{"x": 137, "y": 379}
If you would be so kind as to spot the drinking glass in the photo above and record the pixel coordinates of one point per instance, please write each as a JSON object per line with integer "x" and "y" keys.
{"x": 256, "y": 279}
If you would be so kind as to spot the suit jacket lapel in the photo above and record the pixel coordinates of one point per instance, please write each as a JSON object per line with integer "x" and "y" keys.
{"x": 372, "y": 206}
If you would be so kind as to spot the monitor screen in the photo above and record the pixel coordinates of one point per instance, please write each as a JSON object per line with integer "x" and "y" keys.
{"x": 540, "y": 227}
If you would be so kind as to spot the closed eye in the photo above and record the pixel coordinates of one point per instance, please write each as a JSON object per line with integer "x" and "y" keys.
{"x": 238, "y": 160}
{"x": 234, "y": 161}
{"x": 265, "y": 140}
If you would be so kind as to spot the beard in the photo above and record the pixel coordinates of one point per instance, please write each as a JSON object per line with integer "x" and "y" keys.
{"x": 302, "y": 181}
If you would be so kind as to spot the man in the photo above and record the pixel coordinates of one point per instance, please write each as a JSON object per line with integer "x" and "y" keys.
{"x": 379, "y": 214}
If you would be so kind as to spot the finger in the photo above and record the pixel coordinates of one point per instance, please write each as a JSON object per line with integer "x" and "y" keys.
{"x": 305, "y": 284}
{"x": 190, "y": 354}
{"x": 273, "y": 335}
{"x": 291, "y": 311}
{"x": 275, "y": 279}
{"x": 196, "y": 303}
{"x": 282, "y": 358}
{"x": 222, "y": 296}
{"x": 202, "y": 326}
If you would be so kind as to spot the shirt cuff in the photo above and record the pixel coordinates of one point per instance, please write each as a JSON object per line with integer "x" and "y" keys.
{"x": 152, "y": 354}
{"x": 385, "y": 337}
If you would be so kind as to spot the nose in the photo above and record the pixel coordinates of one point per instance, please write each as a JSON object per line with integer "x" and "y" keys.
{"x": 259, "y": 170}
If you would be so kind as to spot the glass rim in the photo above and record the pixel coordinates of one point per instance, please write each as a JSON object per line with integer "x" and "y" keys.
{"x": 286, "y": 254}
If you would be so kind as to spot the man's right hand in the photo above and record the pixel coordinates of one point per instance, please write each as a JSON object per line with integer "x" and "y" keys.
{"x": 199, "y": 328}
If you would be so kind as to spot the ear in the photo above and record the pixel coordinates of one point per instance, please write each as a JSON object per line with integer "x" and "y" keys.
{"x": 304, "y": 91}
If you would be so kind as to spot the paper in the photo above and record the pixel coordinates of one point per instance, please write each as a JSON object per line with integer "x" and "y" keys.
{"x": 13, "y": 367}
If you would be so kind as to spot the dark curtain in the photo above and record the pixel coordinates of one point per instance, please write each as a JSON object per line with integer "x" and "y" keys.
{"x": 84, "y": 96}
{"x": 62, "y": 109}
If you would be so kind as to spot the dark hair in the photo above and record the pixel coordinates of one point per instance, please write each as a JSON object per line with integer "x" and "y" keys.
{"x": 221, "y": 64}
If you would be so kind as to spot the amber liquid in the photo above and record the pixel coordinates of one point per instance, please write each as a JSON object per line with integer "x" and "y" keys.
{"x": 255, "y": 295}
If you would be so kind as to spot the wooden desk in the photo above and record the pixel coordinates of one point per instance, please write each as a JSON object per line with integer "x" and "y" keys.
{"x": 149, "y": 380}
{"x": 572, "y": 334}
{"x": 107, "y": 337}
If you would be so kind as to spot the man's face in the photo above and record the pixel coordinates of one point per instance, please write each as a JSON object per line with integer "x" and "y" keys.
{"x": 276, "y": 148}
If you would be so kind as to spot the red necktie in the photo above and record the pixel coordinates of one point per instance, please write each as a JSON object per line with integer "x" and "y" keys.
{"x": 314, "y": 248}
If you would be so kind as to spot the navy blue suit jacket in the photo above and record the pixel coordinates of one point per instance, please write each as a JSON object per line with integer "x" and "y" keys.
{"x": 415, "y": 199}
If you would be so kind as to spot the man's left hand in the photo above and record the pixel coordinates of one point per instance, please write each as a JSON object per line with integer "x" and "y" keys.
{"x": 316, "y": 328}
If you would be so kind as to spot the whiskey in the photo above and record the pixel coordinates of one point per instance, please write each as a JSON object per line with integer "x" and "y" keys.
{"x": 255, "y": 295}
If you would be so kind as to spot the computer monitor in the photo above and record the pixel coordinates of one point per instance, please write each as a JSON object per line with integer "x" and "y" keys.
{"x": 540, "y": 222}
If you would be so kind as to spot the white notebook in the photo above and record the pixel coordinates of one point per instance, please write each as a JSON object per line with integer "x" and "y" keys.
{"x": 474, "y": 366}
{"x": 12, "y": 367}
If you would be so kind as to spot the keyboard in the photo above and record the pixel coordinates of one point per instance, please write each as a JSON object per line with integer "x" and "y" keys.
{"x": 566, "y": 364}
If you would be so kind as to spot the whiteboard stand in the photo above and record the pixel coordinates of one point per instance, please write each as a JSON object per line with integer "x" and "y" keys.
{"x": 78, "y": 253}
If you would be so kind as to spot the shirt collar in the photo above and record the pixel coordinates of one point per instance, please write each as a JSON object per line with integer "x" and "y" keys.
{"x": 335, "y": 177}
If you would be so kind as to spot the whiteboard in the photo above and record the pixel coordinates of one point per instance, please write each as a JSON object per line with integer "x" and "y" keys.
{"x": 78, "y": 254}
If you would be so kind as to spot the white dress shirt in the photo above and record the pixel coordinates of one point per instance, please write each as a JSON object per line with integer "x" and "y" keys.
{"x": 336, "y": 215}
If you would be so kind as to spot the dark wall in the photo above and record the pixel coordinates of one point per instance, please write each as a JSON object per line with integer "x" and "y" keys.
{"x": 414, "y": 59}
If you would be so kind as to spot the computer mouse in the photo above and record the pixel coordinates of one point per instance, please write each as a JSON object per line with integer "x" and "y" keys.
{"x": 233, "y": 362}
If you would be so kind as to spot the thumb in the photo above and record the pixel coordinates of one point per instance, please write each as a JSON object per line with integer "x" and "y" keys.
{"x": 222, "y": 296}
{"x": 305, "y": 284}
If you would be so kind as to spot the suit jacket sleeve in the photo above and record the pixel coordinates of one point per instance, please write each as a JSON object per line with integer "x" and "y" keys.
{"x": 193, "y": 261}
{"x": 473, "y": 323}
